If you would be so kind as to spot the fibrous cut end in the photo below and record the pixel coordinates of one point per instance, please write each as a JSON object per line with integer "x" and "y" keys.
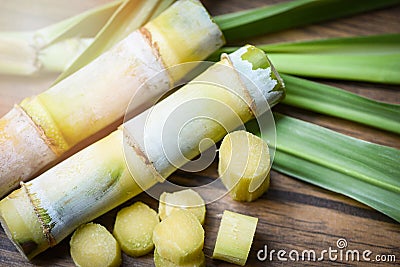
{"x": 186, "y": 199}
{"x": 159, "y": 261}
{"x": 262, "y": 81}
{"x": 134, "y": 227}
{"x": 179, "y": 238}
{"x": 244, "y": 165}
{"x": 92, "y": 245}
{"x": 235, "y": 237}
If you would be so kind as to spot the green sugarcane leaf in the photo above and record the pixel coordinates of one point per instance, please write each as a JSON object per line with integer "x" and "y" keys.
{"x": 291, "y": 14}
{"x": 339, "y": 103}
{"x": 373, "y": 58}
{"x": 378, "y": 68}
{"x": 372, "y": 44}
{"x": 359, "y": 45}
{"x": 366, "y": 172}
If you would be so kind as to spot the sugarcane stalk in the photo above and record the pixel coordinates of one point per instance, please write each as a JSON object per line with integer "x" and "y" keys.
{"x": 98, "y": 178}
{"x": 98, "y": 94}
{"x": 46, "y": 210}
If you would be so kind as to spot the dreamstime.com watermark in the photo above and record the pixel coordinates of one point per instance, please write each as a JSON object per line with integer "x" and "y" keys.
{"x": 340, "y": 253}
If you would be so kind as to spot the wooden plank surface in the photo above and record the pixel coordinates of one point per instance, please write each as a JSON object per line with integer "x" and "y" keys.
{"x": 292, "y": 215}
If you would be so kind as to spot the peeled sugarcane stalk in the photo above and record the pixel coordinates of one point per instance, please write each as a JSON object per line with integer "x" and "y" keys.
{"x": 43, "y": 127}
{"x": 98, "y": 178}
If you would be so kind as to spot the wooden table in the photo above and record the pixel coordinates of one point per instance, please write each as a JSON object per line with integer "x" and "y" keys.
{"x": 293, "y": 215}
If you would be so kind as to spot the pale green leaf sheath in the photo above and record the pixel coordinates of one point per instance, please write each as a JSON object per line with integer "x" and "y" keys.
{"x": 96, "y": 179}
{"x": 54, "y": 47}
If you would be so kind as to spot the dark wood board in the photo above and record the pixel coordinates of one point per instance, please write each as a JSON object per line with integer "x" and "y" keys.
{"x": 293, "y": 215}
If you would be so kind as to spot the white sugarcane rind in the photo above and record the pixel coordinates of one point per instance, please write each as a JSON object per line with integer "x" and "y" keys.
{"x": 98, "y": 94}
{"x": 167, "y": 143}
{"x": 24, "y": 151}
{"x": 112, "y": 80}
{"x": 188, "y": 37}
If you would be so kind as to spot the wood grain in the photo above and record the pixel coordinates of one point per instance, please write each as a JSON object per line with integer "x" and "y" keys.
{"x": 292, "y": 214}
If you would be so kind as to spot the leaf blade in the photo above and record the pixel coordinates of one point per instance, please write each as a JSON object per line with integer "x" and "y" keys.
{"x": 370, "y": 44}
{"x": 378, "y": 68}
{"x": 291, "y": 14}
{"x": 364, "y": 171}
{"x": 339, "y": 103}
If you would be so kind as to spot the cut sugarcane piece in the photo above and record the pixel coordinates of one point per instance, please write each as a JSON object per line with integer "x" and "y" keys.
{"x": 179, "y": 238}
{"x": 100, "y": 177}
{"x": 134, "y": 227}
{"x": 82, "y": 104}
{"x": 92, "y": 245}
{"x": 163, "y": 262}
{"x": 235, "y": 237}
{"x": 244, "y": 165}
{"x": 186, "y": 199}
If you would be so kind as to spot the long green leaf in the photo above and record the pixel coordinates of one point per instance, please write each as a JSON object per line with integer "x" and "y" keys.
{"x": 378, "y": 68}
{"x": 373, "y": 58}
{"x": 359, "y": 45}
{"x": 291, "y": 14}
{"x": 372, "y": 44}
{"x": 364, "y": 171}
{"x": 336, "y": 102}
{"x": 130, "y": 16}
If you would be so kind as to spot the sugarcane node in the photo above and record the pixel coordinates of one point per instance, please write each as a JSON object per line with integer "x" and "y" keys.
{"x": 143, "y": 156}
{"x": 49, "y": 141}
{"x": 42, "y": 216}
